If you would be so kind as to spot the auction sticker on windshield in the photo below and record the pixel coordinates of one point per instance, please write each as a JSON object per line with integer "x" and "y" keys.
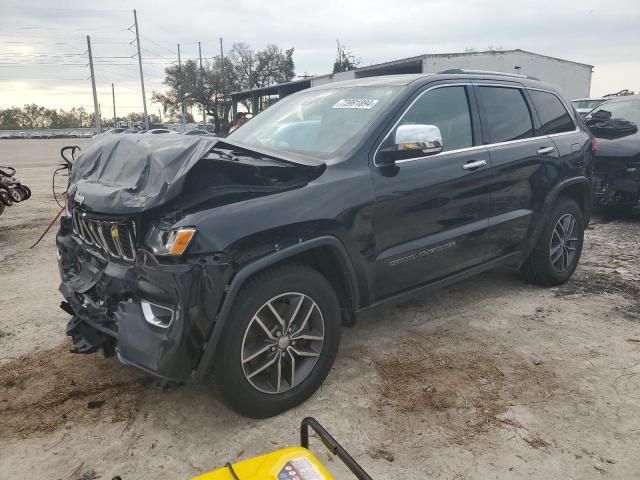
{"x": 363, "y": 103}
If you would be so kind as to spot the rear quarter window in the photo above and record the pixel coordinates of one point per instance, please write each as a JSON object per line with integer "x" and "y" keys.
{"x": 506, "y": 114}
{"x": 552, "y": 113}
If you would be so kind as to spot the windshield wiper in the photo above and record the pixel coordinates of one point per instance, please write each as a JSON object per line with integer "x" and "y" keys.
{"x": 225, "y": 154}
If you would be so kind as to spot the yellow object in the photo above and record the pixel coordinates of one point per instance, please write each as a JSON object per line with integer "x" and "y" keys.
{"x": 182, "y": 239}
{"x": 295, "y": 463}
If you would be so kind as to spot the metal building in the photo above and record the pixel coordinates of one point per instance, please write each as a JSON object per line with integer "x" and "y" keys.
{"x": 573, "y": 78}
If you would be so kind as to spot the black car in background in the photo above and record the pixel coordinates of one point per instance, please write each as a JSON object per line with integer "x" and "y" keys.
{"x": 617, "y": 164}
{"x": 239, "y": 260}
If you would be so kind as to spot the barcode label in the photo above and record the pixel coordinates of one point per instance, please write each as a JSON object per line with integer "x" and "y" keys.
{"x": 358, "y": 103}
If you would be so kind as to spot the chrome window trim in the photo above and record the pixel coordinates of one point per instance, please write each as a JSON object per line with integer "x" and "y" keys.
{"x": 568, "y": 110}
{"x": 475, "y": 147}
{"x": 384, "y": 139}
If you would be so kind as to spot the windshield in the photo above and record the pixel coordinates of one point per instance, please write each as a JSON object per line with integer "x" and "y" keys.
{"x": 317, "y": 123}
{"x": 628, "y": 110}
{"x": 586, "y": 104}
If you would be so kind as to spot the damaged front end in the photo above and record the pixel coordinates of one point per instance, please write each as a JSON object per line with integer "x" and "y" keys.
{"x": 138, "y": 279}
{"x": 617, "y": 182}
{"x": 156, "y": 316}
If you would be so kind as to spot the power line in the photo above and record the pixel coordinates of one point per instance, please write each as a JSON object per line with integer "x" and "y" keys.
{"x": 157, "y": 44}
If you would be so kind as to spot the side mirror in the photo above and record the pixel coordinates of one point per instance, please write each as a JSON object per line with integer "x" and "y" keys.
{"x": 412, "y": 141}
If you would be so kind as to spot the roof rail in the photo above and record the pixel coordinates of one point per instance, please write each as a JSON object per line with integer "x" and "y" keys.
{"x": 459, "y": 71}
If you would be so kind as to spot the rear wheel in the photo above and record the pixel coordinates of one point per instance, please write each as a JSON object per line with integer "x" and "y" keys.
{"x": 281, "y": 341}
{"x": 557, "y": 253}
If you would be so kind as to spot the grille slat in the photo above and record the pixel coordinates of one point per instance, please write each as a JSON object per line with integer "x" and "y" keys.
{"x": 116, "y": 239}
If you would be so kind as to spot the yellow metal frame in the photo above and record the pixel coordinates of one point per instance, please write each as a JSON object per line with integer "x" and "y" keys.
{"x": 269, "y": 466}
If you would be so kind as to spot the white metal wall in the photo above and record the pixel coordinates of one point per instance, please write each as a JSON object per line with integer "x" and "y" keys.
{"x": 335, "y": 77}
{"x": 573, "y": 79}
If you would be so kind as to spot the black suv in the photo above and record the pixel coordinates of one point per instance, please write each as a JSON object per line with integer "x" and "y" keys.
{"x": 617, "y": 163}
{"x": 238, "y": 260}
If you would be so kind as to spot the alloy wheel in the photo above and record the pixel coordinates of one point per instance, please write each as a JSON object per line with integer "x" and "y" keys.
{"x": 564, "y": 243}
{"x": 282, "y": 343}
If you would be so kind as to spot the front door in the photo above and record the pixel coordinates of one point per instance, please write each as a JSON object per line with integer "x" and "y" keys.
{"x": 431, "y": 213}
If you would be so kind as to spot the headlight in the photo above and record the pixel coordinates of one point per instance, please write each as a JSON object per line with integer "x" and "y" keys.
{"x": 170, "y": 242}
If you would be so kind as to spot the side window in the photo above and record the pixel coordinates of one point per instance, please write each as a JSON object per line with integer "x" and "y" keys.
{"x": 506, "y": 113}
{"x": 448, "y": 109}
{"x": 552, "y": 113}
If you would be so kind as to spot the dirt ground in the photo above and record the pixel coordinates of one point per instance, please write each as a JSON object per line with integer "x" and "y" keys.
{"x": 490, "y": 378}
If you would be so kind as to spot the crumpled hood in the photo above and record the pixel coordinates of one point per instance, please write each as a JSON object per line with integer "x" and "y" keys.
{"x": 627, "y": 146}
{"x": 127, "y": 173}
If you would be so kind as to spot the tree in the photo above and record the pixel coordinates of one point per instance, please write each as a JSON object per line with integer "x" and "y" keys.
{"x": 345, "y": 59}
{"x": 10, "y": 118}
{"x": 34, "y": 116}
{"x": 209, "y": 87}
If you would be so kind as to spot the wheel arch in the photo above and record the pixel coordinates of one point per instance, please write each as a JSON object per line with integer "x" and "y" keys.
{"x": 578, "y": 189}
{"x": 325, "y": 253}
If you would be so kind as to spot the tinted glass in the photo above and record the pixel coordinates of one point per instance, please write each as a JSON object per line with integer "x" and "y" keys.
{"x": 586, "y": 103}
{"x": 448, "y": 109}
{"x": 318, "y": 123}
{"x": 553, "y": 116}
{"x": 506, "y": 113}
{"x": 623, "y": 109}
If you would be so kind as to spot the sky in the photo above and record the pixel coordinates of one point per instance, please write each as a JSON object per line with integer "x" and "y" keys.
{"x": 43, "y": 46}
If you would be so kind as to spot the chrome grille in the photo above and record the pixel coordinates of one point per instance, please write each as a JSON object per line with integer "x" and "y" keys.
{"x": 116, "y": 239}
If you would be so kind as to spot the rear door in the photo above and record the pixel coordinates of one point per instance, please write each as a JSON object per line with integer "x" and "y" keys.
{"x": 557, "y": 123}
{"x": 524, "y": 165}
{"x": 430, "y": 213}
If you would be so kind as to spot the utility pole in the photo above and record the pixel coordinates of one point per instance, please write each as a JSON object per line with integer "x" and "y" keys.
{"x": 204, "y": 113}
{"x": 181, "y": 99}
{"x": 160, "y": 115}
{"x": 113, "y": 94}
{"x": 224, "y": 83}
{"x": 144, "y": 98}
{"x": 96, "y": 108}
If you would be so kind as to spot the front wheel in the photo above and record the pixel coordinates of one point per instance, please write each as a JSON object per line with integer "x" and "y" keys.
{"x": 281, "y": 341}
{"x": 557, "y": 253}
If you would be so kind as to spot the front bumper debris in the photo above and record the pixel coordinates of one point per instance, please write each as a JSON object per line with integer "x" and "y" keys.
{"x": 155, "y": 316}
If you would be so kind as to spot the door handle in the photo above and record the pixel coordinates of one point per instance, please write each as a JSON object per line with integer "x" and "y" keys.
{"x": 545, "y": 150}
{"x": 474, "y": 165}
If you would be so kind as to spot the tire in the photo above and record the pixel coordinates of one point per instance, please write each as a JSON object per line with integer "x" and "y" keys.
{"x": 5, "y": 198}
{"x": 26, "y": 192}
{"x": 292, "y": 290}
{"x": 544, "y": 267}
{"x": 16, "y": 194}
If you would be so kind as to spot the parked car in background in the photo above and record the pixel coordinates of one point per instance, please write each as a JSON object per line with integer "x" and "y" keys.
{"x": 585, "y": 105}
{"x": 617, "y": 164}
{"x": 239, "y": 260}
{"x": 198, "y": 131}
{"x": 158, "y": 131}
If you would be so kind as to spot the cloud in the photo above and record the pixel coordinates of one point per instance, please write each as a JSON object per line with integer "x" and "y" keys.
{"x": 586, "y": 31}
